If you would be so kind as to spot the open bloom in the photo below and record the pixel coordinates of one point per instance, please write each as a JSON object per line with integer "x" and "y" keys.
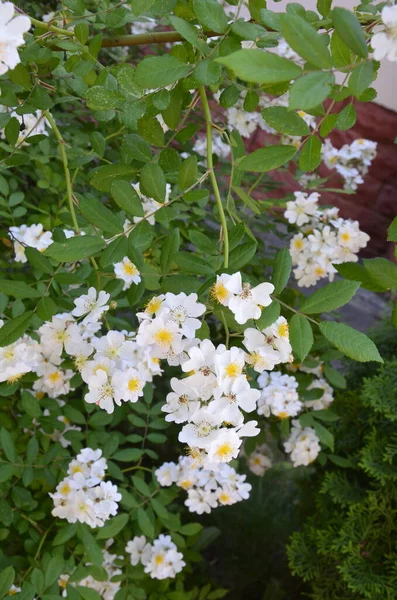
{"x": 12, "y": 30}
{"x": 384, "y": 42}
{"x": 127, "y": 272}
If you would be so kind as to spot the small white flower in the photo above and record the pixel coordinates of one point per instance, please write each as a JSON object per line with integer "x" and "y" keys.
{"x": 91, "y": 306}
{"x": 127, "y": 272}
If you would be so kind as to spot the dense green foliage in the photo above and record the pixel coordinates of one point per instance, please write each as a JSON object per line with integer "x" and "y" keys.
{"x": 347, "y": 547}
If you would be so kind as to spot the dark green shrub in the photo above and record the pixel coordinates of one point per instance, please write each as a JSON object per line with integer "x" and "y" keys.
{"x": 347, "y": 548}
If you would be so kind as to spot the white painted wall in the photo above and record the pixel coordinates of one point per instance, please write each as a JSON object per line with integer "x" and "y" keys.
{"x": 386, "y": 83}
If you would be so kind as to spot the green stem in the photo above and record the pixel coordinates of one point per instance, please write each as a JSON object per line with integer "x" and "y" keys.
{"x": 49, "y": 27}
{"x": 64, "y": 157}
{"x": 210, "y": 165}
{"x": 157, "y": 37}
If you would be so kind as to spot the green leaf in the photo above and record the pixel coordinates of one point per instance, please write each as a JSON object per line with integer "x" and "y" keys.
{"x": 145, "y": 523}
{"x": 128, "y": 455}
{"x": 6, "y": 472}
{"x": 100, "y": 216}
{"x": 113, "y": 527}
{"x": 305, "y": 40}
{"x": 301, "y": 336}
{"x": 7, "y": 577}
{"x": 346, "y": 118}
{"x": 115, "y": 251}
{"x": 126, "y": 197}
{"x": 355, "y": 272}
{"x": 350, "y": 342}
{"x": 104, "y": 176}
{"x": 269, "y": 315}
{"x": 46, "y": 308}
{"x": 349, "y": 29}
{"x": 140, "y": 484}
{"x": 241, "y": 255}
{"x": 330, "y": 297}
{"x": 310, "y": 156}
{"x": 12, "y": 130}
{"x": 267, "y": 159}
{"x": 91, "y": 548}
{"x": 282, "y": 266}
{"x": 152, "y": 182}
{"x": 7, "y": 443}
{"x": 324, "y": 435}
{"x": 187, "y": 173}
{"x": 260, "y": 66}
{"x": 53, "y": 570}
{"x": 191, "y": 529}
{"x": 285, "y": 121}
{"x": 160, "y": 71}
{"x": 210, "y": 15}
{"x": 248, "y": 201}
{"x": 324, "y": 7}
{"x": 361, "y": 78}
{"x": 38, "y": 261}
{"x": 15, "y": 328}
{"x": 335, "y": 378}
{"x": 65, "y": 534}
{"x": 125, "y": 76}
{"x": 191, "y": 263}
{"x": 207, "y": 72}
{"x": 136, "y": 148}
{"x": 18, "y": 289}
{"x": 169, "y": 248}
{"x": 82, "y": 32}
{"x": 190, "y": 34}
{"x": 75, "y": 248}
{"x": 382, "y": 271}
{"x": 341, "y": 55}
{"x": 100, "y": 98}
{"x": 392, "y": 231}
{"x": 310, "y": 90}
{"x": 87, "y": 593}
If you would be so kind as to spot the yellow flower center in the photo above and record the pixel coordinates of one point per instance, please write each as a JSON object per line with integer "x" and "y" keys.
{"x": 224, "y": 451}
{"x": 319, "y": 271}
{"x": 219, "y": 292}
{"x": 14, "y": 378}
{"x": 159, "y": 559}
{"x": 54, "y": 377}
{"x": 185, "y": 484}
{"x": 233, "y": 370}
{"x": 163, "y": 337}
{"x": 282, "y": 415}
{"x": 134, "y": 384}
{"x": 130, "y": 269}
{"x": 153, "y": 305}
{"x": 224, "y": 498}
{"x": 345, "y": 237}
{"x": 76, "y": 469}
{"x": 9, "y": 354}
{"x": 283, "y": 330}
{"x": 65, "y": 489}
{"x": 298, "y": 244}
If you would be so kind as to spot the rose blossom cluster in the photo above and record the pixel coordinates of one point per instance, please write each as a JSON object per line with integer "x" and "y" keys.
{"x": 83, "y": 495}
{"x": 106, "y": 588}
{"x": 206, "y": 489}
{"x": 279, "y": 395}
{"x": 161, "y": 560}
{"x": 352, "y": 161}
{"x": 302, "y": 444}
{"x": 324, "y": 239}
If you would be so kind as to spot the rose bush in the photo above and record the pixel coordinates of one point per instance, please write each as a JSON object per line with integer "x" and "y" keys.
{"x": 149, "y": 336}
